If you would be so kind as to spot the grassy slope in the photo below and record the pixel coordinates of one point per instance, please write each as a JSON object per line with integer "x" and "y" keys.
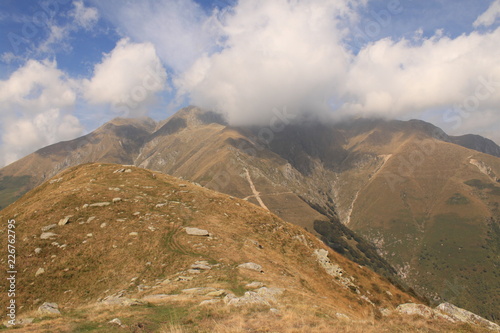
{"x": 90, "y": 267}
{"x": 433, "y": 223}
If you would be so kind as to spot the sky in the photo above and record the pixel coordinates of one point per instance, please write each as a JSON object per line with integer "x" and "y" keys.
{"x": 68, "y": 66}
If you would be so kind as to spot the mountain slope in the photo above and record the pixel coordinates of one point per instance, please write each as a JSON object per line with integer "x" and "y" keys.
{"x": 395, "y": 183}
{"x": 124, "y": 239}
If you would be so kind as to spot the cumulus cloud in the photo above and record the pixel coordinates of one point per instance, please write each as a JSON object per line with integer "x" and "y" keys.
{"x": 296, "y": 54}
{"x": 402, "y": 78}
{"x": 180, "y": 29}
{"x": 35, "y": 109}
{"x": 489, "y": 16}
{"x": 275, "y": 54}
{"x": 127, "y": 78}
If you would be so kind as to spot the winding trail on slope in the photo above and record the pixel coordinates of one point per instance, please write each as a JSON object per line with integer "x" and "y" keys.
{"x": 256, "y": 194}
{"x": 351, "y": 208}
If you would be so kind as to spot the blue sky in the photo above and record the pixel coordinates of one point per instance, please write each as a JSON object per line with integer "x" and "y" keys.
{"x": 68, "y": 66}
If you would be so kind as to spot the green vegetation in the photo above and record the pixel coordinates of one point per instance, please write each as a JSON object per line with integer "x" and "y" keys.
{"x": 480, "y": 185}
{"x": 352, "y": 246}
{"x": 12, "y": 188}
{"x": 457, "y": 199}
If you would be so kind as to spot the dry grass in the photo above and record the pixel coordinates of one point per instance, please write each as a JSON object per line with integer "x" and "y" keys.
{"x": 89, "y": 268}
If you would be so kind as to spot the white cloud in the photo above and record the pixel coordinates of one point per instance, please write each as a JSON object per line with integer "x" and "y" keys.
{"x": 437, "y": 73}
{"x": 276, "y": 53}
{"x": 85, "y": 17}
{"x": 489, "y": 17}
{"x": 23, "y": 136}
{"x": 180, "y": 30}
{"x": 127, "y": 78}
{"x": 35, "y": 109}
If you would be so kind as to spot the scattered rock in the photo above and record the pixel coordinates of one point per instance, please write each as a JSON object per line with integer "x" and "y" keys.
{"x": 198, "y": 291}
{"x": 197, "y": 232}
{"x": 49, "y": 309}
{"x": 90, "y": 235}
{"x": 65, "y": 220}
{"x": 254, "y": 285}
{"x": 38, "y": 250}
{"x": 47, "y": 235}
{"x": 201, "y": 265}
{"x": 116, "y": 200}
{"x": 137, "y": 213}
{"x": 100, "y": 204}
{"x": 121, "y": 301}
{"x": 465, "y": 316}
{"x": 90, "y": 219}
{"x": 115, "y": 321}
{"x": 416, "y": 309}
{"x": 133, "y": 233}
{"x": 251, "y": 266}
{"x": 216, "y": 293}
{"x": 341, "y": 315}
{"x": 274, "y": 310}
{"x": 184, "y": 278}
{"x": 182, "y": 185}
{"x": 85, "y": 206}
{"x": 262, "y": 296}
{"x": 210, "y": 302}
{"x": 103, "y": 225}
{"x": 48, "y": 227}
{"x": 128, "y": 170}
{"x": 39, "y": 271}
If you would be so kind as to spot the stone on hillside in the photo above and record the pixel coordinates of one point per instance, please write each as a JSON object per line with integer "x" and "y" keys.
{"x": 254, "y": 285}
{"x": 252, "y": 266}
{"x": 39, "y": 271}
{"x": 210, "y": 302}
{"x": 128, "y": 170}
{"x": 184, "y": 278}
{"x": 416, "y": 309}
{"x": 115, "y": 321}
{"x": 201, "y": 265}
{"x": 90, "y": 219}
{"x": 262, "y": 296}
{"x": 38, "y": 250}
{"x": 197, "y": 232}
{"x": 65, "y": 220}
{"x": 121, "y": 301}
{"x": 116, "y": 200}
{"x": 465, "y": 316}
{"x": 100, "y": 204}
{"x": 103, "y": 225}
{"x": 198, "y": 291}
{"x": 48, "y": 227}
{"x": 85, "y": 206}
{"x": 216, "y": 293}
{"x": 49, "y": 309}
{"x": 133, "y": 233}
{"x": 47, "y": 235}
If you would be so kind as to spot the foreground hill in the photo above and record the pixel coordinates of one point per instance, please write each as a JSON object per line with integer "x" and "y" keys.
{"x": 400, "y": 197}
{"x": 154, "y": 253}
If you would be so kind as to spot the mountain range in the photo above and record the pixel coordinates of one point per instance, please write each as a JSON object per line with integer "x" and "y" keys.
{"x": 403, "y": 198}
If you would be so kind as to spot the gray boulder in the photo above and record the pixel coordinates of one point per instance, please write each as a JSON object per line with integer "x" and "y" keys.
{"x": 197, "y": 232}
{"x": 49, "y": 309}
{"x": 251, "y": 266}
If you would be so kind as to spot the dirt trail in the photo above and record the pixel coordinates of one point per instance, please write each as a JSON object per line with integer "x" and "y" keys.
{"x": 256, "y": 194}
